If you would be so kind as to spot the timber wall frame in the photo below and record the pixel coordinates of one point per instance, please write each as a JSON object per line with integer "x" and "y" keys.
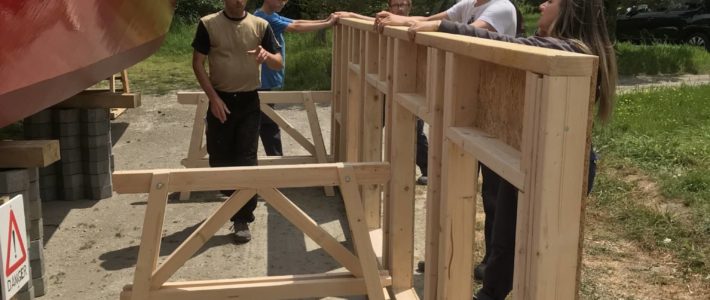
{"x": 197, "y": 151}
{"x": 524, "y": 112}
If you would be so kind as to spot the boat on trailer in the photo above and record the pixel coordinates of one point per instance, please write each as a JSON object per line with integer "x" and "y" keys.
{"x": 52, "y": 50}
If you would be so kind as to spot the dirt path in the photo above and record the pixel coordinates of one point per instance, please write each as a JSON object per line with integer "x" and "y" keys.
{"x": 91, "y": 246}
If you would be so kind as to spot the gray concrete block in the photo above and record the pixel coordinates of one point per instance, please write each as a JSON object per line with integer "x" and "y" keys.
{"x": 37, "y": 267}
{"x": 72, "y": 181}
{"x": 69, "y": 142}
{"x": 28, "y": 294}
{"x": 36, "y": 250}
{"x": 98, "y": 167}
{"x": 95, "y": 128}
{"x": 40, "y": 286}
{"x": 71, "y": 168}
{"x": 48, "y": 194}
{"x": 94, "y": 141}
{"x": 94, "y": 115}
{"x": 97, "y": 154}
{"x": 33, "y": 191}
{"x": 48, "y": 170}
{"x": 14, "y": 180}
{"x": 38, "y": 131}
{"x": 35, "y": 210}
{"x": 98, "y": 180}
{"x": 41, "y": 117}
{"x": 33, "y": 174}
{"x": 47, "y": 182}
{"x": 70, "y": 155}
{"x": 68, "y": 129}
{"x": 66, "y": 115}
{"x": 98, "y": 193}
{"x": 71, "y": 194}
{"x": 36, "y": 229}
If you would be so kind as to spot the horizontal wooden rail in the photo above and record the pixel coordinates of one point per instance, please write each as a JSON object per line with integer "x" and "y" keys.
{"x": 415, "y": 103}
{"x": 93, "y": 99}
{"x": 212, "y": 179}
{"x": 492, "y": 152}
{"x": 380, "y": 85}
{"x": 274, "y": 287}
{"x": 267, "y": 97}
{"x": 529, "y": 58}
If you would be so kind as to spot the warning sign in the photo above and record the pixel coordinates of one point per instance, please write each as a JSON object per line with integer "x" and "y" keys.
{"x": 13, "y": 247}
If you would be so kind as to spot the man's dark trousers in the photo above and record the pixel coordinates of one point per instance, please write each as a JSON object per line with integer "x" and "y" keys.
{"x": 270, "y": 134}
{"x": 235, "y": 142}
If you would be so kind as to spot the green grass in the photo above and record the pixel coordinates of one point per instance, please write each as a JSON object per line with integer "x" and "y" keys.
{"x": 662, "y": 59}
{"x": 663, "y": 134}
{"x": 308, "y": 63}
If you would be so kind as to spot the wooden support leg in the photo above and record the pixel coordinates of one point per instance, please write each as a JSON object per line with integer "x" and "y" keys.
{"x": 152, "y": 233}
{"x": 361, "y": 237}
{"x": 317, "y": 135}
{"x": 195, "y": 151}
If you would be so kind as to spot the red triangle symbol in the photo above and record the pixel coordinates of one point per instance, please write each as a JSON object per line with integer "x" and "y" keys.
{"x": 13, "y": 226}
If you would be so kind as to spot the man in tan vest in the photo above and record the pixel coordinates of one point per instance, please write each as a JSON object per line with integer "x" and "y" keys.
{"x": 235, "y": 43}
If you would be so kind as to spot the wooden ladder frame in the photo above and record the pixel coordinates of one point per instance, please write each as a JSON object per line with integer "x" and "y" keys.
{"x": 525, "y": 112}
{"x": 150, "y": 280}
{"x": 197, "y": 151}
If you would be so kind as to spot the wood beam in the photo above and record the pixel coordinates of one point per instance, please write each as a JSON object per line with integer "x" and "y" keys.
{"x": 101, "y": 100}
{"x": 28, "y": 154}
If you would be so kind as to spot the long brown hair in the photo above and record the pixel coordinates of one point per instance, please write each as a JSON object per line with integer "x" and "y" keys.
{"x": 583, "y": 23}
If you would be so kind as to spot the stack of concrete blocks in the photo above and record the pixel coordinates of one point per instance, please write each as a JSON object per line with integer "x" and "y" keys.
{"x": 25, "y": 182}
{"x": 84, "y": 171}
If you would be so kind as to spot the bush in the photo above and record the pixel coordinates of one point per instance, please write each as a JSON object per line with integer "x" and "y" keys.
{"x": 190, "y": 11}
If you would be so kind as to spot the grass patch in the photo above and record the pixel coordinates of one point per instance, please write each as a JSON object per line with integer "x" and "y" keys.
{"x": 662, "y": 59}
{"x": 665, "y": 134}
{"x": 170, "y": 68}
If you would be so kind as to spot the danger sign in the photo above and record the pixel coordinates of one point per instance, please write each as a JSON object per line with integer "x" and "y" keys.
{"x": 13, "y": 248}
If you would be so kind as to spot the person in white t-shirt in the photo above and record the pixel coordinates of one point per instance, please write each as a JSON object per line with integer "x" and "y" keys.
{"x": 493, "y": 15}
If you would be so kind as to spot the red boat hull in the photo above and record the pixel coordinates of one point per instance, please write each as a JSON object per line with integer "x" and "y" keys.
{"x": 52, "y": 50}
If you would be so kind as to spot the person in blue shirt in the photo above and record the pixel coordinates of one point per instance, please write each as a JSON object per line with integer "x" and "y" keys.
{"x": 274, "y": 79}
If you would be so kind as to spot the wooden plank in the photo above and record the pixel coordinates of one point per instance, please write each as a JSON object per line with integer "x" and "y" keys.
{"x": 28, "y": 154}
{"x": 435, "y": 96}
{"x": 282, "y": 289}
{"x": 372, "y": 110}
{"x": 496, "y": 155}
{"x": 213, "y": 179}
{"x": 389, "y": 99}
{"x": 117, "y": 112}
{"x": 410, "y": 294}
{"x": 308, "y": 226}
{"x": 522, "y": 57}
{"x": 288, "y": 128}
{"x": 150, "y": 237}
{"x": 523, "y": 235}
{"x": 317, "y": 134}
{"x": 355, "y": 68}
{"x": 353, "y": 118}
{"x": 194, "y": 150}
{"x": 458, "y": 197}
{"x": 380, "y": 85}
{"x": 377, "y": 246}
{"x": 357, "y": 24}
{"x": 361, "y": 236}
{"x": 101, "y": 100}
{"x": 555, "y": 214}
{"x": 402, "y": 187}
{"x": 200, "y": 236}
{"x": 415, "y": 103}
{"x": 263, "y": 161}
{"x": 268, "y": 97}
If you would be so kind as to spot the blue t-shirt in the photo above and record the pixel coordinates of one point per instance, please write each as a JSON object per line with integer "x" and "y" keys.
{"x": 271, "y": 79}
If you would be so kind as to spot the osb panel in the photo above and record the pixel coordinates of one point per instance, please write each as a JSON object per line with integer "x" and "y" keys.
{"x": 500, "y": 102}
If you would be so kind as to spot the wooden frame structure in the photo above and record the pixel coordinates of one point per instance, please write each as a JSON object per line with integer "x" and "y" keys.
{"x": 150, "y": 280}
{"x": 522, "y": 111}
{"x": 197, "y": 151}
